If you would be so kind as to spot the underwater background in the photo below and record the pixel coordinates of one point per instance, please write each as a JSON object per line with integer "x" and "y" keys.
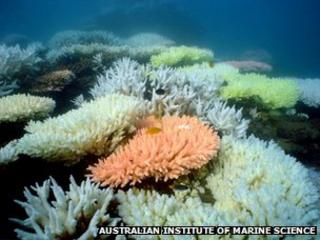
{"x": 287, "y": 33}
{"x": 94, "y": 88}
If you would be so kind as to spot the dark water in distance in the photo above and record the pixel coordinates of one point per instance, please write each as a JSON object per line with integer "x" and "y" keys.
{"x": 284, "y": 32}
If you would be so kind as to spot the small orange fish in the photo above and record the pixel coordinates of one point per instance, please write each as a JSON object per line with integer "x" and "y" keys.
{"x": 153, "y": 130}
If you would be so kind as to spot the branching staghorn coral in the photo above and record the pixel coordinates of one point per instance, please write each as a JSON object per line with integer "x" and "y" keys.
{"x": 181, "y": 56}
{"x": 70, "y": 37}
{"x": 8, "y": 153}
{"x": 13, "y": 59}
{"x": 75, "y": 214}
{"x": 163, "y": 149}
{"x": 173, "y": 92}
{"x": 253, "y": 184}
{"x": 227, "y": 119}
{"x": 273, "y": 92}
{"x": 205, "y": 72}
{"x": 148, "y": 39}
{"x": 94, "y": 128}
{"x": 21, "y": 107}
{"x": 124, "y": 77}
{"x": 169, "y": 91}
{"x": 309, "y": 91}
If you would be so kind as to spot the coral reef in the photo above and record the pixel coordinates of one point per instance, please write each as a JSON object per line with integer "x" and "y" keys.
{"x": 309, "y": 91}
{"x": 8, "y": 153}
{"x": 253, "y": 183}
{"x": 76, "y": 213}
{"x": 21, "y": 107}
{"x": 227, "y": 119}
{"x": 204, "y": 71}
{"x": 148, "y": 39}
{"x": 125, "y": 76}
{"x": 187, "y": 91}
{"x": 52, "y": 81}
{"x": 250, "y": 66}
{"x": 70, "y": 37}
{"x": 180, "y": 56}
{"x": 13, "y": 59}
{"x": 151, "y": 115}
{"x": 6, "y": 89}
{"x": 258, "y": 184}
{"x": 94, "y": 128}
{"x": 272, "y": 92}
{"x": 162, "y": 149}
{"x": 109, "y": 52}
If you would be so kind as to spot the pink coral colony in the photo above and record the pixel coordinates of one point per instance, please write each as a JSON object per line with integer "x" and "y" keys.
{"x": 162, "y": 148}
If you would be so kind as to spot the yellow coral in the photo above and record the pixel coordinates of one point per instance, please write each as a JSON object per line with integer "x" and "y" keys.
{"x": 180, "y": 56}
{"x": 273, "y": 92}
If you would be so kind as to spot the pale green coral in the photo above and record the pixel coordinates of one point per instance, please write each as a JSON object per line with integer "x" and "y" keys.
{"x": 180, "y": 56}
{"x": 273, "y": 92}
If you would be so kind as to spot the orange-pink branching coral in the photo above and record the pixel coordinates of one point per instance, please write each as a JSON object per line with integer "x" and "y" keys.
{"x": 162, "y": 149}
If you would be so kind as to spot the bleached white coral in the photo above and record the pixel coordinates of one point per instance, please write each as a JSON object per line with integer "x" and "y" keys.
{"x": 86, "y": 49}
{"x": 24, "y": 107}
{"x": 139, "y": 207}
{"x": 124, "y": 77}
{"x": 224, "y": 70}
{"x": 254, "y": 183}
{"x": 148, "y": 39}
{"x": 70, "y": 37}
{"x": 227, "y": 119}
{"x": 94, "y": 128}
{"x": 258, "y": 184}
{"x": 12, "y": 59}
{"x": 112, "y": 52}
{"x": 8, "y": 153}
{"x": 206, "y": 72}
{"x": 170, "y": 92}
{"x": 309, "y": 91}
{"x": 72, "y": 214}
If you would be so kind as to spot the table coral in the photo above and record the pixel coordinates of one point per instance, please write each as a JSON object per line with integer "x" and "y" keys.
{"x": 162, "y": 149}
{"x": 21, "y": 107}
{"x": 94, "y": 128}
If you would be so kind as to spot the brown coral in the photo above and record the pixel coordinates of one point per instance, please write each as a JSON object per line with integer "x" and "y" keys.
{"x": 162, "y": 148}
{"x": 53, "y": 81}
